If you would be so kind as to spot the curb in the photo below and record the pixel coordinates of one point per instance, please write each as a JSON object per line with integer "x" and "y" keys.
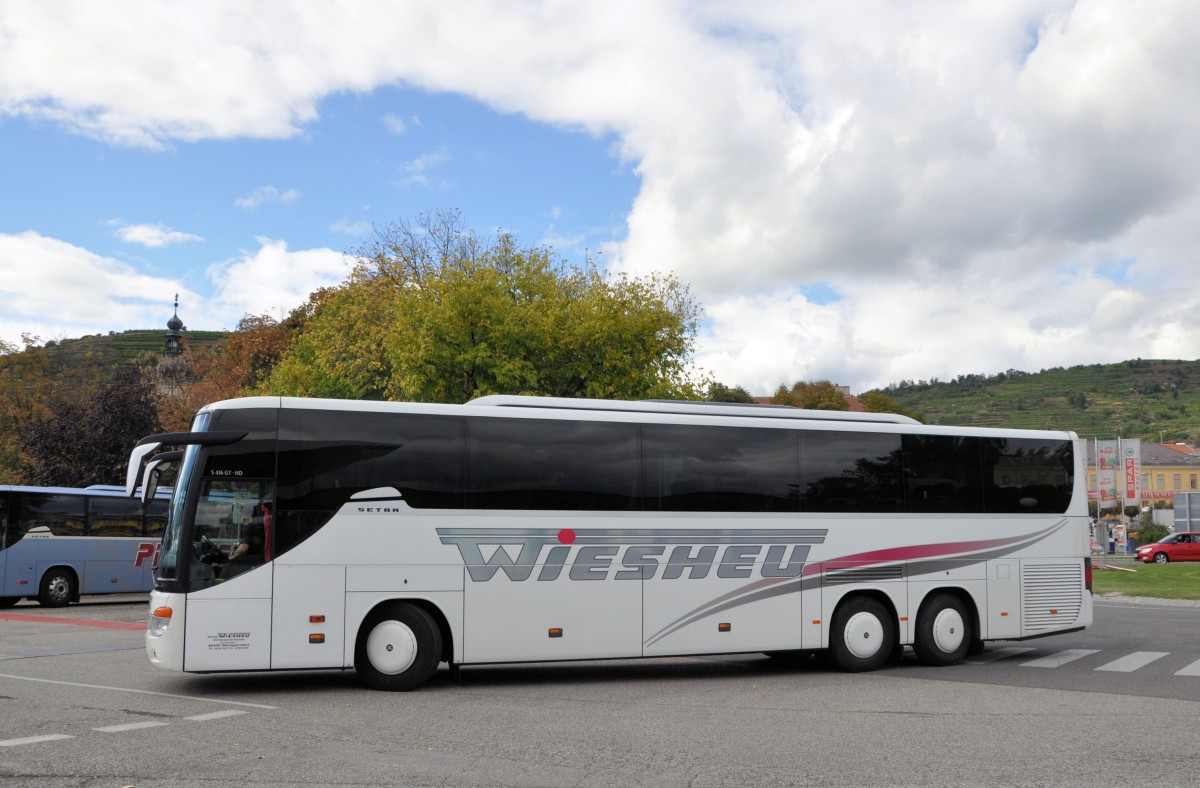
{"x": 1117, "y": 596}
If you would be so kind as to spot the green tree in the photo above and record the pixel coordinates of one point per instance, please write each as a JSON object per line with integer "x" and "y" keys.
{"x": 819, "y": 395}
{"x": 434, "y": 313}
{"x": 878, "y": 402}
{"x": 718, "y": 392}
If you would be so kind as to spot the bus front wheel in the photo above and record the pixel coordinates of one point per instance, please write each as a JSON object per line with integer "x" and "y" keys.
{"x": 58, "y": 588}
{"x": 399, "y": 647}
{"x": 863, "y": 635}
{"x": 943, "y": 631}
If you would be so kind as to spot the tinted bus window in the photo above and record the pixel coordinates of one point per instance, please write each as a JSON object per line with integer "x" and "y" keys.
{"x": 542, "y": 464}
{"x": 942, "y": 473}
{"x": 327, "y": 456}
{"x": 3, "y": 519}
{"x": 1028, "y": 475}
{"x": 156, "y": 518}
{"x": 850, "y": 472}
{"x": 719, "y": 469}
{"x": 114, "y": 517}
{"x": 253, "y": 457}
{"x": 62, "y": 514}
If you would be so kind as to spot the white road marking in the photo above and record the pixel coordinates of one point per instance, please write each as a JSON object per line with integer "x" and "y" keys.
{"x": 215, "y": 715}
{"x": 139, "y": 692}
{"x": 1131, "y": 662}
{"x": 1191, "y": 670}
{"x": 131, "y": 726}
{"x": 34, "y": 740}
{"x": 1061, "y": 658}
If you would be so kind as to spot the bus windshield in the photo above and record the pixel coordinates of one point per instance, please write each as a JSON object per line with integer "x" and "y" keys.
{"x": 230, "y": 530}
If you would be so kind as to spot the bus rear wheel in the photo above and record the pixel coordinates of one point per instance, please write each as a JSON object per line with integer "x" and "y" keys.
{"x": 943, "y": 631}
{"x": 58, "y": 588}
{"x": 863, "y": 635}
{"x": 399, "y": 647}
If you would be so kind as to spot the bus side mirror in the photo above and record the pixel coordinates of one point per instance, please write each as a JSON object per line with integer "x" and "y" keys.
{"x": 153, "y": 471}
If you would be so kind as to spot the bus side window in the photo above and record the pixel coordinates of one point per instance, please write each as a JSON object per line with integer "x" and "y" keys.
{"x": 850, "y": 472}
{"x": 543, "y": 464}
{"x": 62, "y": 514}
{"x": 942, "y": 473}
{"x": 719, "y": 469}
{"x": 114, "y": 517}
{"x": 3, "y": 519}
{"x": 156, "y": 518}
{"x": 1029, "y": 475}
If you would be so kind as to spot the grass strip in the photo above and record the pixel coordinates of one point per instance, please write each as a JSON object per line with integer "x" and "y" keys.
{"x": 1165, "y": 581}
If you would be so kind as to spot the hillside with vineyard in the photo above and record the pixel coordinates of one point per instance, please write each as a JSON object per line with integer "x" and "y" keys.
{"x": 1155, "y": 400}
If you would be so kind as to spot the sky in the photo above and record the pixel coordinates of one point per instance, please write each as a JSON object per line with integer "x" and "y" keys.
{"x": 865, "y": 192}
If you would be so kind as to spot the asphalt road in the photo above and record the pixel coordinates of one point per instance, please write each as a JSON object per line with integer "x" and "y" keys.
{"x": 1115, "y": 705}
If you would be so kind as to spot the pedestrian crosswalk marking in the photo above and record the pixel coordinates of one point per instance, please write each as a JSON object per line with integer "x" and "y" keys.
{"x": 1127, "y": 664}
{"x": 1131, "y": 662}
{"x": 1061, "y": 658}
{"x": 1191, "y": 670}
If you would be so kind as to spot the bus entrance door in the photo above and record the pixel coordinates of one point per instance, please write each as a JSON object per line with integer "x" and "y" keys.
{"x": 229, "y": 625}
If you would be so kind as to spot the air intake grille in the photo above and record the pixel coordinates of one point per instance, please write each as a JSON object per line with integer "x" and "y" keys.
{"x": 1051, "y": 596}
{"x": 866, "y": 574}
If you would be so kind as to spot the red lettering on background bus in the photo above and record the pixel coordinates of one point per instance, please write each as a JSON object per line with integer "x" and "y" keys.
{"x": 146, "y": 550}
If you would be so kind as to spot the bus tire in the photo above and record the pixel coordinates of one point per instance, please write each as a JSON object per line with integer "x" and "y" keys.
{"x": 58, "y": 588}
{"x": 399, "y": 647}
{"x": 943, "y": 634}
{"x": 863, "y": 635}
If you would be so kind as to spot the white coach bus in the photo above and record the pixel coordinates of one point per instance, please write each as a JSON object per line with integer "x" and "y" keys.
{"x": 392, "y": 537}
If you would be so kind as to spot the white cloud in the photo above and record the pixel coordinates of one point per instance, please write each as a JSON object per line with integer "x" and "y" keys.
{"x": 52, "y": 289}
{"x": 963, "y": 174}
{"x": 394, "y": 124}
{"x": 154, "y": 235}
{"x": 270, "y": 281}
{"x": 419, "y": 171}
{"x": 347, "y": 227}
{"x": 265, "y": 194}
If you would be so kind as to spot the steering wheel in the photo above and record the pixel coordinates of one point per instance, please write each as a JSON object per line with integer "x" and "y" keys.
{"x": 211, "y": 551}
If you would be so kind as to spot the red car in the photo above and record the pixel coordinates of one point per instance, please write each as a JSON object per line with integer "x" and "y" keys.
{"x": 1183, "y": 546}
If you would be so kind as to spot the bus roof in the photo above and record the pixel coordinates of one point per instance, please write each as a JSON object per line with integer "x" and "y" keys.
{"x": 95, "y": 490}
{"x": 548, "y": 407}
{"x": 688, "y": 408}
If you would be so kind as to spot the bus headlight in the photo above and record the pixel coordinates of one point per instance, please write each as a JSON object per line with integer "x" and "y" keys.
{"x": 157, "y": 621}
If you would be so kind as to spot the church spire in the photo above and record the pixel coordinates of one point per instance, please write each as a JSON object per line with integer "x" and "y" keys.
{"x": 174, "y": 338}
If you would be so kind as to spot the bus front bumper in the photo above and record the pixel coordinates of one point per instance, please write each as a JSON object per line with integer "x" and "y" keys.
{"x": 164, "y": 630}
